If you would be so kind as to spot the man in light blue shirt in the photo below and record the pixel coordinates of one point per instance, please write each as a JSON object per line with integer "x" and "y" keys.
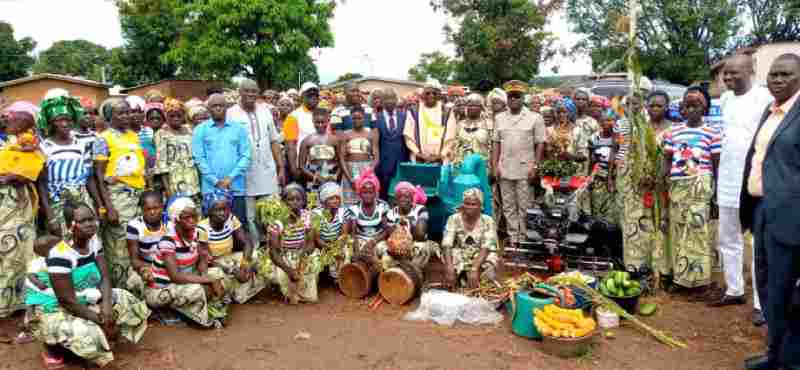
{"x": 221, "y": 150}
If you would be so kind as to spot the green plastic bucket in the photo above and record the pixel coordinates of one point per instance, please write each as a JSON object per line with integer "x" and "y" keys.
{"x": 522, "y": 314}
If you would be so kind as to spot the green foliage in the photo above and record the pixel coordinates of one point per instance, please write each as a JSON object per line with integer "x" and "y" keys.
{"x": 677, "y": 39}
{"x": 348, "y": 76}
{"x": 771, "y": 21}
{"x": 434, "y": 65}
{"x": 263, "y": 39}
{"x": 498, "y": 40}
{"x": 150, "y": 28}
{"x": 73, "y": 58}
{"x": 15, "y": 58}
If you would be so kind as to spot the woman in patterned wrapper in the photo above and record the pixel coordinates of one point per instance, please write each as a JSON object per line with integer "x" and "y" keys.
{"x": 470, "y": 244}
{"x": 84, "y": 324}
{"x": 174, "y": 166}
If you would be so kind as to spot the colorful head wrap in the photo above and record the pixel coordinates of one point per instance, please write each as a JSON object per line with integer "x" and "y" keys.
{"x": 59, "y": 106}
{"x": 196, "y": 110}
{"x": 367, "y": 177}
{"x": 154, "y": 96}
{"x": 498, "y": 93}
{"x": 218, "y": 195}
{"x": 171, "y": 105}
{"x": 417, "y": 193}
{"x": 24, "y": 107}
{"x": 515, "y": 86}
{"x": 107, "y": 108}
{"x": 474, "y": 98}
{"x": 54, "y": 93}
{"x": 136, "y": 102}
{"x": 329, "y": 190}
{"x": 473, "y": 193}
{"x": 569, "y": 105}
{"x": 177, "y": 206}
{"x": 294, "y": 187}
{"x": 87, "y": 103}
{"x": 610, "y": 114}
{"x": 602, "y": 101}
{"x": 455, "y": 90}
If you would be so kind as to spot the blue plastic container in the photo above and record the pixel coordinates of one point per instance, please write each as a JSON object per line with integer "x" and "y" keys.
{"x": 522, "y": 320}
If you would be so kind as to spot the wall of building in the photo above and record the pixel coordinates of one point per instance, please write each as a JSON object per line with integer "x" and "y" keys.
{"x": 182, "y": 90}
{"x": 34, "y": 91}
{"x": 767, "y": 54}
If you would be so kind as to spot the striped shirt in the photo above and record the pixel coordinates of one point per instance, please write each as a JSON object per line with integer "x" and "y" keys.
{"x": 87, "y": 138}
{"x": 67, "y": 165}
{"x": 63, "y": 259}
{"x": 601, "y": 150}
{"x": 368, "y": 226}
{"x": 293, "y": 236}
{"x": 691, "y": 149}
{"x": 146, "y": 239}
{"x": 186, "y": 253}
{"x": 331, "y": 230}
{"x": 220, "y": 242}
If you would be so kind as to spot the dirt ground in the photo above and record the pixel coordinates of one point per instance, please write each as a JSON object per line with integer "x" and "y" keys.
{"x": 344, "y": 334}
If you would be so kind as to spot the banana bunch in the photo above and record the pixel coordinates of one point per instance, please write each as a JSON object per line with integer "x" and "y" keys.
{"x": 554, "y": 321}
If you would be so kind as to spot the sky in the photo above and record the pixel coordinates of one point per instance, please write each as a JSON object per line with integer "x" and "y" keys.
{"x": 372, "y": 37}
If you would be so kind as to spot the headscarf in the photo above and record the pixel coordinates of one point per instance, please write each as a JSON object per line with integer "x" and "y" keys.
{"x": 474, "y": 98}
{"x": 367, "y": 177}
{"x": 569, "y": 105}
{"x": 545, "y": 108}
{"x": 24, "y": 107}
{"x": 171, "y": 105}
{"x": 294, "y": 187}
{"x": 455, "y": 90}
{"x": 156, "y": 107}
{"x": 610, "y": 114}
{"x": 417, "y": 193}
{"x": 474, "y": 193}
{"x": 152, "y": 96}
{"x": 602, "y": 101}
{"x": 107, "y": 108}
{"x": 87, "y": 103}
{"x": 218, "y": 195}
{"x": 58, "y": 106}
{"x": 329, "y": 190}
{"x": 177, "y": 206}
{"x": 498, "y": 93}
{"x": 136, "y": 102}
{"x": 54, "y": 93}
{"x": 196, "y": 110}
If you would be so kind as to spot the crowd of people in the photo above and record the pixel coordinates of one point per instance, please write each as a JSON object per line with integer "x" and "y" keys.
{"x": 137, "y": 207}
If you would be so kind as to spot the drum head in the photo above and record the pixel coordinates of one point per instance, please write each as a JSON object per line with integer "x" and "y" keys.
{"x": 354, "y": 280}
{"x": 396, "y": 286}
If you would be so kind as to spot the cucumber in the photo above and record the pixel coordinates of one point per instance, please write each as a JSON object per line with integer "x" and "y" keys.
{"x": 632, "y": 292}
{"x": 619, "y": 279}
{"x": 603, "y": 290}
{"x": 627, "y": 284}
{"x": 611, "y": 285}
{"x": 648, "y": 309}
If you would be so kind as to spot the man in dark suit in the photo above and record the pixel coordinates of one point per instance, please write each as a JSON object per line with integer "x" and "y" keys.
{"x": 390, "y": 124}
{"x": 770, "y": 208}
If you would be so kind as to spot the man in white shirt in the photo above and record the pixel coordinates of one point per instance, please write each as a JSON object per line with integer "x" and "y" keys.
{"x": 299, "y": 124}
{"x": 742, "y": 106}
{"x": 266, "y": 165}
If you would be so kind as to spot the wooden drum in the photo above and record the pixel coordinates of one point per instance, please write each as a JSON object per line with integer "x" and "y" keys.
{"x": 357, "y": 279}
{"x": 400, "y": 284}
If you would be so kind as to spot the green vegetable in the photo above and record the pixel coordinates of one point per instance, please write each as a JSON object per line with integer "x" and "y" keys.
{"x": 611, "y": 285}
{"x": 628, "y": 284}
{"x": 632, "y": 292}
{"x": 603, "y": 289}
{"x": 648, "y": 309}
{"x": 619, "y": 279}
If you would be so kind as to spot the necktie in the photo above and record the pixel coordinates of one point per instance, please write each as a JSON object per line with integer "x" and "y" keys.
{"x": 392, "y": 124}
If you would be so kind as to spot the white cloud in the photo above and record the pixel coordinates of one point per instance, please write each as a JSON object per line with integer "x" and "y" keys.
{"x": 48, "y": 21}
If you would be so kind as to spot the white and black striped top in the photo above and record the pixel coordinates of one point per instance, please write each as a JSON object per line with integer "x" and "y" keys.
{"x": 146, "y": 239}
{"x": 368, "y": 226}
{"x": 62, "y": 258}
{"x": 66, "y": 165}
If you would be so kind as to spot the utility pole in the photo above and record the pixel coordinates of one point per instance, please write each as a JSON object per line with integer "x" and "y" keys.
{"x": 633, "y": 16}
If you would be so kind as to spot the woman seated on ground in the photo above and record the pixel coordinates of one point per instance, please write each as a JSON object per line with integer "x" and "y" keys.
{"x": 143, "y": 234}
{"x": 469, "y": 245}
{"x": 293, "y": 249}
{"x": 84, "y": 324}
{"x": 182, "y": 279}
{"x": 334, "y": 231}
{"x": 410, "y": 213}
{"x": 368, "y": 218}
{"x": 230, "y": 249}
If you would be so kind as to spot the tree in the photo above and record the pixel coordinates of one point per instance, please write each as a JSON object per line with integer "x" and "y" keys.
{"x": 434, "y": 65}
{"x": 15, "y": 58}
{"x": 498, "y": 40}
{"x": 677, "y": 39}
{"x": 348, "y": 76}
{"x": 262, "y": 39}
{"x": 771, "y": 21}
{"x": 295, "y": 75}
{"x": 150, "y": 28}
{"x": 73, "y": 58}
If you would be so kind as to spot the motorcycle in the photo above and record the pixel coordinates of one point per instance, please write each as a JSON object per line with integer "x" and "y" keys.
{"x": 561, "y": 237}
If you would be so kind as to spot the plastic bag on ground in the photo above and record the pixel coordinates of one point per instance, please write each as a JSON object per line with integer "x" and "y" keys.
{"x": 445, "y": 308}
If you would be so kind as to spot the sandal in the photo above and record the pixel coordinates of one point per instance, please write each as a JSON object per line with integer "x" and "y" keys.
{"x": 23, "y": 338}
{"x": 52, "y": 363}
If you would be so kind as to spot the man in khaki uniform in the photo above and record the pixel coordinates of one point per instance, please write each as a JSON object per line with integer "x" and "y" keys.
{"x": 519, "y": 139}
